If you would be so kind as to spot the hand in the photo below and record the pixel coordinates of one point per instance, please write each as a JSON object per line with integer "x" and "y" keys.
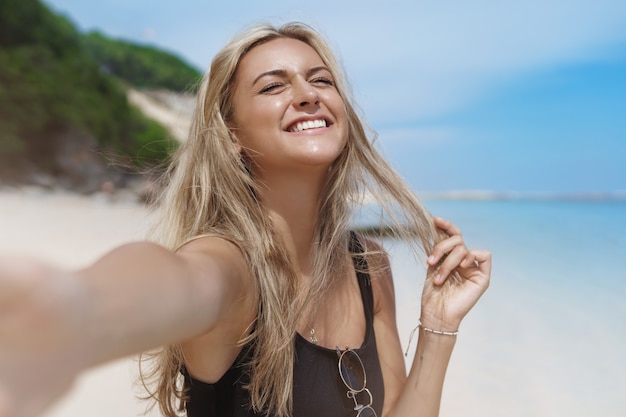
{"x": 39, "y": 336}
{"x": 446, "y": 301}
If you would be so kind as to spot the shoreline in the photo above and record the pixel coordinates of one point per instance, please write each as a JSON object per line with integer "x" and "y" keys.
{"x": 487, "y": 195}
{"x": 140, "y": 186}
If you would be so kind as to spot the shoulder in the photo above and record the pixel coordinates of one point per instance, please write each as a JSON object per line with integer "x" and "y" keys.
{"x": 222, "y": 251}
{"x": 221, "y": 261}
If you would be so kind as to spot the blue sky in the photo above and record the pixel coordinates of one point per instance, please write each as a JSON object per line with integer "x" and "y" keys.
{"x": 480, "y": 95}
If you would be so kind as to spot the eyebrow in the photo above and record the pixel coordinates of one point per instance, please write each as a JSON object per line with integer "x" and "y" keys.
{"x": 283, "y": 73}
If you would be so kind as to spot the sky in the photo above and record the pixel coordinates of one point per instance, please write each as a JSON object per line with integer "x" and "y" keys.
{"x": 485, "y": 95}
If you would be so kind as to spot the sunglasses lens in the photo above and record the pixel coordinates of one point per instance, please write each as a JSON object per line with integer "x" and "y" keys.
{"x": 367, "y": 412}
{"x": 353, "y": 373}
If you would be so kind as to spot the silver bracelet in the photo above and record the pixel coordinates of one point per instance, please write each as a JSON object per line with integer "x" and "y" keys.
{"x": 441, "y": 332}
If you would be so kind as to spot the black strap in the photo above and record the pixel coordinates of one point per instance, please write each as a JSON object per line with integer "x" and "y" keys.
{"x": 363, "y": 276}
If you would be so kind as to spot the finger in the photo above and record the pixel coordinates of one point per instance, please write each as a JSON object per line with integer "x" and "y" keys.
{"x": 469, "y": 261}
{"x": 452, "y": 261}
{"x": 483, "y": 258}
{"x": 444, "y": 247}
{"x": 447, "y": 226}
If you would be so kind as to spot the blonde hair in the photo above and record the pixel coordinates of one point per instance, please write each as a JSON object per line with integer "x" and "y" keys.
{"x": 211, "y": 191}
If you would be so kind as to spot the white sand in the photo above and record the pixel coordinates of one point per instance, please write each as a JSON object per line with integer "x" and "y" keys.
{"x": 170, "y": 109}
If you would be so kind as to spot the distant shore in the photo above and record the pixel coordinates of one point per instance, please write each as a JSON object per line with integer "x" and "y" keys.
{"x": 618, "y": 195}
{"x": 140, "y": 186}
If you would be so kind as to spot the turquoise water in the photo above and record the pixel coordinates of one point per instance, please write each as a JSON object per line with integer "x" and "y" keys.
{"x": 582, "y": 242}
{"x": 549, "y": 336}
{"x": 572, "y": 246}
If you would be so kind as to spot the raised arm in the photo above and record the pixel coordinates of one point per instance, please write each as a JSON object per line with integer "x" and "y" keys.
{"x": 54, "y": 324}
{"x": 442, "y": 310}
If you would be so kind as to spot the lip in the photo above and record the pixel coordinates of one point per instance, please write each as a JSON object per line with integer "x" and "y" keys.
{"x": 311, "y": 118}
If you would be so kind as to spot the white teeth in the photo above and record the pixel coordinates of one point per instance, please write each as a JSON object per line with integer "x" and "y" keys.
{"x": 310, "y": 124}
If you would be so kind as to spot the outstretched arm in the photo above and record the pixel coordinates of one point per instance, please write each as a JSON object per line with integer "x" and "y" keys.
{"x": 137, "y": 297}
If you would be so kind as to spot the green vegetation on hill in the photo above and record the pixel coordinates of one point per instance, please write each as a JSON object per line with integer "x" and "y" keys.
{"x": 57, "y": 85}
{"x": 141, "y": 66}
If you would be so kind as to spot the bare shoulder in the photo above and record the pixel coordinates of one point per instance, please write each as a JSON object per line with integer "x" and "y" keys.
{"x": 220, "y": 253}
{"x": 222, "y": 263}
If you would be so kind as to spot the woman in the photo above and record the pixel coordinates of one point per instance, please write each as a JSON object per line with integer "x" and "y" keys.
{"x": 267, "y": 303}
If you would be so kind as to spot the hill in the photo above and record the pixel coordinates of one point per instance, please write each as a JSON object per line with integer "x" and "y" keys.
{"x": 65, "y": 119}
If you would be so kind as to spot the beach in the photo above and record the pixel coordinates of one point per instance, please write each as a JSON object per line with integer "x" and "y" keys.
{"x": 546, "y": 340}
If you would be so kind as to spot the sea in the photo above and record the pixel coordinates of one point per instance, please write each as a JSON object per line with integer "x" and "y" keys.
{"x": 548, "y": 338}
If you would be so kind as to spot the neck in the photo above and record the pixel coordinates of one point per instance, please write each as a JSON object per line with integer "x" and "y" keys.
{"x": 293, "y": 203}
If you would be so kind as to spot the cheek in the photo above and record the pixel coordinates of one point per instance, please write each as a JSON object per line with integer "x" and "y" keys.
{"x": 257, "y": 125}
{"x": 270, "y": 111}
{"x": 265, "y": 114}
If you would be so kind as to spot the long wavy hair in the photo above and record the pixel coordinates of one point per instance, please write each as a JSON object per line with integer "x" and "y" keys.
{"x": 209, "y": 190}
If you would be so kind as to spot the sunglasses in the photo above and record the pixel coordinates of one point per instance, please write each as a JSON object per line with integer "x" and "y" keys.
{"x": 353, "y": 376}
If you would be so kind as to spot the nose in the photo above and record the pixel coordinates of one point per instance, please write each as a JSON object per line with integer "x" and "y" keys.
{"x": 305, "y": 95}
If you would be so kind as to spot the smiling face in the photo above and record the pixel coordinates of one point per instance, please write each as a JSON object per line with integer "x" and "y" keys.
{"x": 288, "y": 115}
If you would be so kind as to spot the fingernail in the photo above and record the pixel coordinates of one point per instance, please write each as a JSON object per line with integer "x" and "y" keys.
{"x": 431, "y": 259}
{"x": 438, "y": 279}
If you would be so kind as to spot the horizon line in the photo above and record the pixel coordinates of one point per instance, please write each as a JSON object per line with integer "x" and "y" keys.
{"x": 491, "y": 195}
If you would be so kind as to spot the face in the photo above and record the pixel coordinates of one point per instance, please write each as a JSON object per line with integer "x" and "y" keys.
{"x": 288, "y": 114}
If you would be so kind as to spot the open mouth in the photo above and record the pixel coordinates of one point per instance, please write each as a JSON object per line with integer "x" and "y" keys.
{"x": 307, "y": 125}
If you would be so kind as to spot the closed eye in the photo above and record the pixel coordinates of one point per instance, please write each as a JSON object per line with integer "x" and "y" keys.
{"x": 270, "y": 88}
{"x": 323, "y": 81}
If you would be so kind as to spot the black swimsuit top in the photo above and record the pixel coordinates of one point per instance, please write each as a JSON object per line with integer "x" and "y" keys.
{"x": 318, "y": 390}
